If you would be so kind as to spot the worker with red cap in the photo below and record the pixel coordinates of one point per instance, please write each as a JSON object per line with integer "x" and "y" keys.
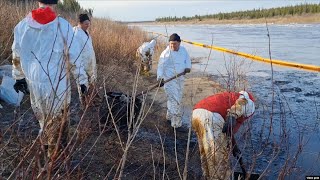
{"x": 44, "y": 52}
{"x": 215, "y": 120}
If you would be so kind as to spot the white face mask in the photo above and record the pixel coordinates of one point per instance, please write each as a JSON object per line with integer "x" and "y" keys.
{"x": 248, "y": 109}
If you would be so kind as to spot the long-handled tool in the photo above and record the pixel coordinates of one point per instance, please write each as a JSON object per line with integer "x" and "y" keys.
{"x": 119, "y": 107}
{"x": 237, "y": 153}
{"x": 227, "y": 129}
{"x": 157, "y": 85}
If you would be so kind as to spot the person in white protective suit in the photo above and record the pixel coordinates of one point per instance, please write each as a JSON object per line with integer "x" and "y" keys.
{"x": 173, "y": 60}
{"x": 144, "y": 55}
{"x": 45, "y": 51}
{"x": 87, "y": 57}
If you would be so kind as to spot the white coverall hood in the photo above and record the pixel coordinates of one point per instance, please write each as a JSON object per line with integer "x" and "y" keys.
{"x": 170, "y": 64}
{"x": 39, "y": 55}
{"x": 249, "y": 108}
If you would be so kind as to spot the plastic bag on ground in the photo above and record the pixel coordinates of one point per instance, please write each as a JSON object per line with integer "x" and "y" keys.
{"x": 7, "y": 92}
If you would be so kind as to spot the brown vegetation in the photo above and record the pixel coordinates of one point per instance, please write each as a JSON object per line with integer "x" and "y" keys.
{"x": 9, "y": 16}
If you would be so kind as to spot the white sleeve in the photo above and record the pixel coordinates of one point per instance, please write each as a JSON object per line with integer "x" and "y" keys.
{"x": 153, "y": 43}
{"x": 75, "y": 54}
{"x": 187, "y": 60}
{"x": 152, "y": 46}
{"x": 151, "y": 51}
{"x": 17, "y": 72}
{"x": 90, "y": 62}
{"x": 160, "y": 66}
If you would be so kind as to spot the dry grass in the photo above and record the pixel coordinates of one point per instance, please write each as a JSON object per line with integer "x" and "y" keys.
{"x": 9, "y": 16}
{"x": 115, "y": 43}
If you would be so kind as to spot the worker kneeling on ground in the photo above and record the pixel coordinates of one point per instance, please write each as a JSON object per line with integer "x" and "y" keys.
{"x": 215, "y": 120}
{"x": 144, "y": 55}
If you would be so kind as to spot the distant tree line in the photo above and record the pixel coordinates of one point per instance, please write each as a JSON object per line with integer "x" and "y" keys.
{"x": 252, "y": 14}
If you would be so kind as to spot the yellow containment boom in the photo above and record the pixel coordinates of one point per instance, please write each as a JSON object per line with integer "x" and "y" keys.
{"x": 253, "y": 57}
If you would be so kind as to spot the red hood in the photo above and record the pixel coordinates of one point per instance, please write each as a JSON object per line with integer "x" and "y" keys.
{"x": 43, "y": 15}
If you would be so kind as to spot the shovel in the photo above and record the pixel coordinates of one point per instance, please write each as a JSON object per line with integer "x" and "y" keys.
{"x": 243, "y": 175}
{"x": 157, "y": 85}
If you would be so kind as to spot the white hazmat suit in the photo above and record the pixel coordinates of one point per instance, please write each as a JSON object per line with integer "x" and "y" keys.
{"x": 145, "y": 53}
{"x": 40, "y": 54}
{"x": 170, "y": 64}
{"x": 87, "y": 57}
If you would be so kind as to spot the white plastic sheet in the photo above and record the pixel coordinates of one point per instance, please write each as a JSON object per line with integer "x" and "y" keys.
{"x": 7, "y": 92}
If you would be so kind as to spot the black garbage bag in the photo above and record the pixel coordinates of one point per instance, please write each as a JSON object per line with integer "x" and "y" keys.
{"x": 117, "y": 106}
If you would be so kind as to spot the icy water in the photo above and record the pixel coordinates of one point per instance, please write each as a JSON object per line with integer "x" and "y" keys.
{"x": 285, "y": 137}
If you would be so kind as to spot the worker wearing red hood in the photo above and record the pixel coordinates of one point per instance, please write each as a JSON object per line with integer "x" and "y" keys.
{"x": 215, "y": 120}
{"x": 45, "y": 52}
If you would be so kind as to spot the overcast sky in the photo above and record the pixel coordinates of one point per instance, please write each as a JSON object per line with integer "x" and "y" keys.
{"x": 150, "y": 9}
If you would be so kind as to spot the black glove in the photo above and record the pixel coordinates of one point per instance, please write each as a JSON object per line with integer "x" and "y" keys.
{"x": 83, "y": 88}
{"x": 161, "y": 82}
{"x": 21, "y": 85}
{"x": 187, "y": 70}
{"x": 228, "y": 125}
